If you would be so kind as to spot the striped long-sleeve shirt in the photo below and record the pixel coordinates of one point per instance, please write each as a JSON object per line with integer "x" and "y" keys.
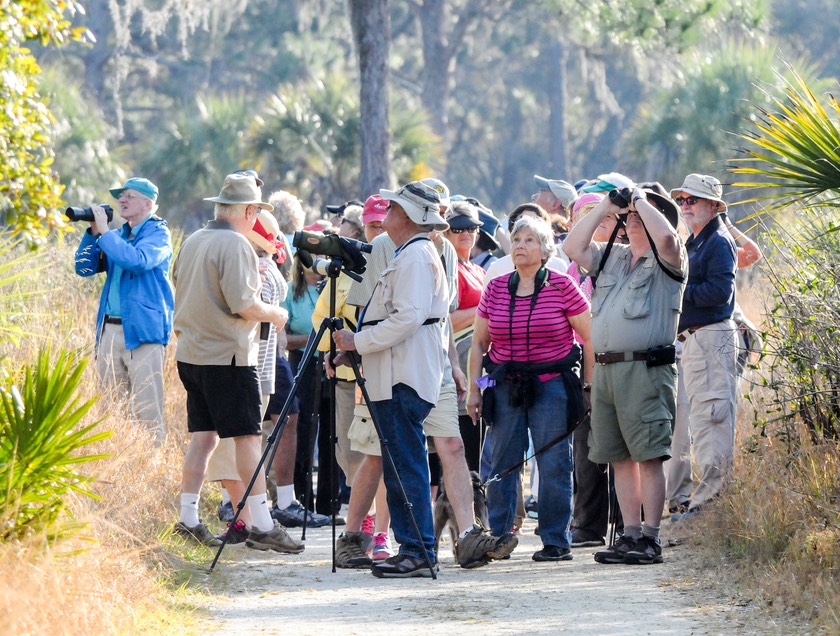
{"x": 532, "y": 333}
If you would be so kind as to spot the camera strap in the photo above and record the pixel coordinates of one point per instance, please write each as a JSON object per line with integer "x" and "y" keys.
{"x": 618, "y": 226}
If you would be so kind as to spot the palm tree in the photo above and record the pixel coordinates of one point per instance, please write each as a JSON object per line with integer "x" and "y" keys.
{"x": 794, "y": 157}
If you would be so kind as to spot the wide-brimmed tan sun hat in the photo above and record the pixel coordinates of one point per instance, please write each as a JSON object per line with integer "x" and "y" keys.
{"x": 420, "y": 202}
{"x": 241, "y": 189}
{"x": 704, "y": 187}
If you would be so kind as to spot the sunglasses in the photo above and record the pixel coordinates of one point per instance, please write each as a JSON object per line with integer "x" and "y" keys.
{"x": 687, "y": 200}
{"x": 471, "y": 230}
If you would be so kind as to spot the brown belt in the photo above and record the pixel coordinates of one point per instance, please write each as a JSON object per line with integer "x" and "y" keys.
{"x": 621, "y": 356}
{"x": 685, "y": 333}
{"x": 113, "y": 320}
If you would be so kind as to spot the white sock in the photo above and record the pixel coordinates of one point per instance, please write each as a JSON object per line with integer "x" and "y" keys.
{"x": 260, "y": 515}
{"x": 225, "y": 496}
{"x": 189, "y": 509}
{"x": 285, "y": 496}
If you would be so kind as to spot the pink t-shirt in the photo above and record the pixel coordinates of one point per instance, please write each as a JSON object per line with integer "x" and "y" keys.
{"x": 543, "y": 334}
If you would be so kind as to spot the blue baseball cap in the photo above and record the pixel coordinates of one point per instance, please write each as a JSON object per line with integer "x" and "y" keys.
{"x": 143, "y": 186}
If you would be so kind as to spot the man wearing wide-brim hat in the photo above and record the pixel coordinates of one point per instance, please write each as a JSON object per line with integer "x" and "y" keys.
{"x": 401, "y": 340}
{"x": 217, "y": 312}
{"x": 708, "y": 367}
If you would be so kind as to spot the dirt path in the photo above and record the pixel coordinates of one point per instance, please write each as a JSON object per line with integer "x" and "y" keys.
{"x": 267, "y": 593}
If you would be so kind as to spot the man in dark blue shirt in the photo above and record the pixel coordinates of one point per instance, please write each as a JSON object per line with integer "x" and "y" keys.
{"x": 708, "y": 337}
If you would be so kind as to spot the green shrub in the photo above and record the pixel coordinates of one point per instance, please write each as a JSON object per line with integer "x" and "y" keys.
{"x": 41, "y": 445}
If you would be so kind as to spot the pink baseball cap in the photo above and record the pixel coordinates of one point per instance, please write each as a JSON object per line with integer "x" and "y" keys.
{"x": 376, "y": 209}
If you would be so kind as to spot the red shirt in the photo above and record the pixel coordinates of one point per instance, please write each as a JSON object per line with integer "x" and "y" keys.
{"x": 470, "y": 283}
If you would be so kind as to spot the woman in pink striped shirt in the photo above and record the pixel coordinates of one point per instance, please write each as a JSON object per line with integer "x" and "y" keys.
{"x": 525, "y": 337}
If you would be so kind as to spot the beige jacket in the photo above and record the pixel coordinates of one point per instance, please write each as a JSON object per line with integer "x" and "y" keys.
{"x": 401, "y": 349}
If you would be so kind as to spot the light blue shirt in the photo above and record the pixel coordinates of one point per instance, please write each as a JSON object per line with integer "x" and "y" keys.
{"x": 112, "y": 307}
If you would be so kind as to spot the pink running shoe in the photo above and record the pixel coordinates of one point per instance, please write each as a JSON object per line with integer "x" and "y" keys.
{"x": 382, "y": 547}
{"x": 367, "y": 533}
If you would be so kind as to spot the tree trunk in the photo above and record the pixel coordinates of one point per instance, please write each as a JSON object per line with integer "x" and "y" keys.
{"x": 437, "y": 62}
{"x": 558, "y": 167}
{"x": 371, "y": 24}
{"x": 96, "y": 57}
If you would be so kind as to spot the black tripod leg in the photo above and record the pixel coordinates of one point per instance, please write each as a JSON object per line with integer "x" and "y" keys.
{"x": 270, "y": 447}
{"x": 386, "y": 455}
{"x": 613, "y": 502}
{"x": 314, "y": 423}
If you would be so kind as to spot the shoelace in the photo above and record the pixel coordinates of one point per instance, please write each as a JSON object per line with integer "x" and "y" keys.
{"x": 367, "y": 524}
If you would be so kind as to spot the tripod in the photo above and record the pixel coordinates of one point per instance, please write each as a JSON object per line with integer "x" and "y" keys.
{"x": 332, "y": 324}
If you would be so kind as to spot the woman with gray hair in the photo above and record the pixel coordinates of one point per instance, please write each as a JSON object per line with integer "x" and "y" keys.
{"x": 526, "y": 336}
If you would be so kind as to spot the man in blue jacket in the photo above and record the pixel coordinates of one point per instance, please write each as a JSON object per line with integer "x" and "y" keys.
{"x": 134, "y": 321}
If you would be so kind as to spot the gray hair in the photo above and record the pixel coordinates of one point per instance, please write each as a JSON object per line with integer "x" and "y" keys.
{"x": 541, "y": 229}
{"x": 229, "y": 210}
{"x": 353, "y": 216}
{"x": 288, "y": 211}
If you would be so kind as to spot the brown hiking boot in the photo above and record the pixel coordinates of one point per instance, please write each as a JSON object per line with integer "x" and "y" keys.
{"x": 480, "y": 547}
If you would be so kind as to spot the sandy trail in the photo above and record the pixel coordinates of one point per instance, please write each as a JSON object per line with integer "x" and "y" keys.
{"x": 267, "y": 593}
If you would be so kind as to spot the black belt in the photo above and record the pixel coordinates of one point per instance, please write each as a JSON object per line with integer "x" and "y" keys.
{"x": 113, "y": 320}
{"x": 620, "y": 356}
{"x": 428, "y": 321}
{"x": 654, "y": 357}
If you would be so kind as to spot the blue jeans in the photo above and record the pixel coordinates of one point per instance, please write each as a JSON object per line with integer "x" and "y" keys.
{"x": 401, "y": 420}
{"x": 546, "y": 419}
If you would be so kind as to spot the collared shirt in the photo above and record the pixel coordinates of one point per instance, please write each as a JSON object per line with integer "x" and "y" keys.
{"x": 401, "y": 349}
{"x": 216, "y": 276}
{"x": 636, "y": 308}
{"x": 113, "y": 301}
{"x": 712, "y": 262}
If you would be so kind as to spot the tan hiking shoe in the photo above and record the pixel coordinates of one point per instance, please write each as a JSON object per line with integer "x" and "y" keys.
{"x": 276, "y": 539}
{"x": 349, "y": 551}
{"x": 479, "y": 547}
{"x": 200, "y": 533}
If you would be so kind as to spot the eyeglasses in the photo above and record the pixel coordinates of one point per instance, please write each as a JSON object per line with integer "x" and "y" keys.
{"x": 687, "y": 200}
{"x": 471, "y": 230}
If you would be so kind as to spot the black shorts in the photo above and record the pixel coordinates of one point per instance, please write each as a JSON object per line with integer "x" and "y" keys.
{"x": 225, "y": 399}
{"x": 283, "y": 381}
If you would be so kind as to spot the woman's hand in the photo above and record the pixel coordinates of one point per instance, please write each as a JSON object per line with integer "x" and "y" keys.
{"x": 474, "y": 405}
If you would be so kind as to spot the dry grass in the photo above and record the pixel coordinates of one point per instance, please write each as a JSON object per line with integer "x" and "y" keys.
{"x": 125, "y": 574}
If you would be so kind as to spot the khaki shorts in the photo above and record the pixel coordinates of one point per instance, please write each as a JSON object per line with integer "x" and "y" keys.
{"x": 441, "y": 422}
{"x": 633, "y": 409}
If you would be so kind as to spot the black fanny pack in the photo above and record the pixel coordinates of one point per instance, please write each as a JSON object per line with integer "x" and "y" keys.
{"x": 658, "y": 356}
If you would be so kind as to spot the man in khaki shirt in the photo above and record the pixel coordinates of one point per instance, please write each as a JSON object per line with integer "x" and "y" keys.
{"x": 217, "y": 310}
{"x": 635, "y": 308}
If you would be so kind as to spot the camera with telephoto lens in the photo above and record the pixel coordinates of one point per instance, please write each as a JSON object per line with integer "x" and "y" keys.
{"x": 86, "y": 214}
{"x": 334, "y": 246}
